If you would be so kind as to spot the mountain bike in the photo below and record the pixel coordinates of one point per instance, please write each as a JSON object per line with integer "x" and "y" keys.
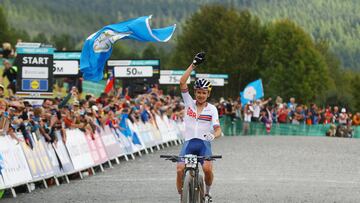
{"x": 193, "y": 182}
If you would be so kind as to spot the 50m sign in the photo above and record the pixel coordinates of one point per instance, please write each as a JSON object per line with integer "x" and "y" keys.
{"x": 133, "y": 71}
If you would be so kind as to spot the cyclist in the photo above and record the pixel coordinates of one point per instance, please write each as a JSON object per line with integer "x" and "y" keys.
{"x": 201, "y": 125}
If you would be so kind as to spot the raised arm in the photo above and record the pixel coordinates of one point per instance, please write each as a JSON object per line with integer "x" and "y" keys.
{"x": 185, "y": 76}
{"x": 198, "y": 59}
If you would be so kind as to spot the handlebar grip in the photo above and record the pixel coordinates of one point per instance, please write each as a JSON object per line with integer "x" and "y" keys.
{"x": 216, "y": 157}
{"x": 166, "y": 156}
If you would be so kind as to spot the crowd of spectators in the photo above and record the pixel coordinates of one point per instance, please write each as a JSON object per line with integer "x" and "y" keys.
{"x": 269, "y": 112}
{"x": 18, "y": 118}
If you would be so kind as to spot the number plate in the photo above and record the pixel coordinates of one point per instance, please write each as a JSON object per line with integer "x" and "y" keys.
{"x": 190, "y": 160}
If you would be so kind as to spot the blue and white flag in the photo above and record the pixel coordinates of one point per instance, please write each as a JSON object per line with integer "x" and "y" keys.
{"x": 252, "y": 91}
{"x": 97, "y": 48}
{"x": 125, "y": 129}
{"x": 1, "y": 164}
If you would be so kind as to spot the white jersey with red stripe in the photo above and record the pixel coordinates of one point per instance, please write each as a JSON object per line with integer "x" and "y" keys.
{"x": 196, "y": 126}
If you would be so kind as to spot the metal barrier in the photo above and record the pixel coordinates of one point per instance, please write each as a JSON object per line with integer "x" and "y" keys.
{"x": 232, "y": 127}
{"x": 22, "y": 165}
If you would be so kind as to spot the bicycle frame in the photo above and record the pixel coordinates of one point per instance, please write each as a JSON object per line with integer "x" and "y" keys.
{"x": 192, "y": 172}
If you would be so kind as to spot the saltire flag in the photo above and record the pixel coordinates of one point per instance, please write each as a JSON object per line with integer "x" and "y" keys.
{"x": 97, "y": 48}
{"x": 109, "y": 84}
{"x": 125, "y": 129}
{"x": 252, "y": 91}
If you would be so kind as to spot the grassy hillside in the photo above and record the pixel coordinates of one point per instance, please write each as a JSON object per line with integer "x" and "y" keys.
{"x": 337, "y": 21}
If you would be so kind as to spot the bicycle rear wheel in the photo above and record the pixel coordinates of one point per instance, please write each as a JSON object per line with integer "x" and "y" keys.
{"x": 188, "y": 189}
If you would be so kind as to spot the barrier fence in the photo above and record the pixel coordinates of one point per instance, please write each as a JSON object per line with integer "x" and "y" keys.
{"x": 22, "y": 165}
{"x": 232, "y": 127}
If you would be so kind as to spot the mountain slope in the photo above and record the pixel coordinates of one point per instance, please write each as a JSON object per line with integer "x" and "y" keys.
{"x": 337, "y": 21}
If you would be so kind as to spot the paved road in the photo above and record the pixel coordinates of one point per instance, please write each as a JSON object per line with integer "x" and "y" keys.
{"x": 254, "y": 169}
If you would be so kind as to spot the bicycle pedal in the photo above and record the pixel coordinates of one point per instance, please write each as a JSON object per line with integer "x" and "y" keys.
{"x": 208, "y": 199}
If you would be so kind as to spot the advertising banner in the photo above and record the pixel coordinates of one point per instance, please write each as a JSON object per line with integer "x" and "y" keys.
{"x": 97, "y": 149}
{"x": 15, "y": 168}
{"x": 62, "y": 153}
{"x": 78, "y": 149}
{"x": 112, "y": 146}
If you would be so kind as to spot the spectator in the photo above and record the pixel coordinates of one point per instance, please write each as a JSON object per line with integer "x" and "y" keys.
{"x": 238, "y": 113}
{"x": 336, "y": 115}
{"x": 247, "y": 118}
{"x": 7, "y": 52}
{"x": 2, "y": 91}
{"x": 292, "y": 105}
{"x": 10, "y": 73}
{"x": 298, "y": 116}
{"x": 356, "y": 119}
{"x": 343, "y": 117}
{"x": 282, "y": 113}
{"x": 328, "y": 115}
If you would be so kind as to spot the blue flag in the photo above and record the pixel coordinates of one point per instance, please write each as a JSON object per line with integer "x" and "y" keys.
{"x": 97, "y": 48}
{"x": 252, "y": 91}
{"x": 124, "y": 128}
{"x": 135, "y": 139}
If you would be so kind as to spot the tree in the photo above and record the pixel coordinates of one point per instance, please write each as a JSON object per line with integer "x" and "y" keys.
{"x": 63, "y": 42}
{"x": 292, "y": 66}
{"x": 150, "y": 52}
{"x": 231, "y": 39}
{"x": 356, "y": 93}
{"x": 41, "y": 38}
{"x": 4, "y": 27}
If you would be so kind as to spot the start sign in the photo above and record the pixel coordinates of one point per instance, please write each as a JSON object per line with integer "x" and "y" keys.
{"x": 35, "y": 72}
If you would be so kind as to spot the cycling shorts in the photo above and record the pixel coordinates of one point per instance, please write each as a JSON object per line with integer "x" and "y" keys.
{"x": 196, "y": 147}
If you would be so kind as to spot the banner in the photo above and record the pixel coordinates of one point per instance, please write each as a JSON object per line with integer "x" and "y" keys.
{"x": 16, "y": 170}
{"x": 61, "y": 151}
{"x": 96, "y": 147}
{"x": 78, "y": 149}
{"x": 124, "y": 141}
{"x": 54, "y": 161}
{"x": 37, "y": 158}
{"x": 112, "y": 146}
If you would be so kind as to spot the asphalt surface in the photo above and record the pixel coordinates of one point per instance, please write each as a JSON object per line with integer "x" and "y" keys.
{"x": 253, "y": 169}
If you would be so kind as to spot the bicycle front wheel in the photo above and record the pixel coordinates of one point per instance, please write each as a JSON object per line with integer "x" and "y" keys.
{"x": 199, "y": 192}
{"x": 188, "y": 189}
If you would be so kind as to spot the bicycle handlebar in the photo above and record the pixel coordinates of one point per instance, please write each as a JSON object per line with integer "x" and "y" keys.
{"x": 175, "y": 157}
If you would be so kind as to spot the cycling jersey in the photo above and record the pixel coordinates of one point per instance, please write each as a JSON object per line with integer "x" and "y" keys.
{"x": 196, "y": 126}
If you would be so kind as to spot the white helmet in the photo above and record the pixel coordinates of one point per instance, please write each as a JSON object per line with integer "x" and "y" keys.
{"x": 203, "y": 84}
